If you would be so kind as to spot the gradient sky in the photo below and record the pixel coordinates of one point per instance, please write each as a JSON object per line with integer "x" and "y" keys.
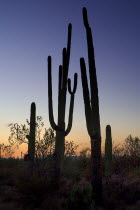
{"x": 30, "y": 30}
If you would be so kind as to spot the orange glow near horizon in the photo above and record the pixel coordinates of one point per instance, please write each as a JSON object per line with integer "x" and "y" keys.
{"x": 81, "y": 139}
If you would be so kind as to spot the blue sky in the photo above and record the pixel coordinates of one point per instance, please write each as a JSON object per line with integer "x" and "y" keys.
{"x": 30, "y": 30}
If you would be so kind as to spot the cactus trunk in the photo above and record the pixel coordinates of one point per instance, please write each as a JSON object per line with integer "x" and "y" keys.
{"x": 59, "y": 153}
{"x": 31, "y": 136}
{"x": 91, "y": 102}
{"x": 108, "y": 151}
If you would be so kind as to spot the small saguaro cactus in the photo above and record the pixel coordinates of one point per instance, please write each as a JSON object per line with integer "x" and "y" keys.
{"x": 108, "y": 151}
{"x": 61, "y": 132}
{"x": 31, "y": 136}
{"x": 91, "y": 102}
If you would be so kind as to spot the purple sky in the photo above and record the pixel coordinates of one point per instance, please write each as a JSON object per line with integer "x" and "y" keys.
{"x": 30, "y": 30}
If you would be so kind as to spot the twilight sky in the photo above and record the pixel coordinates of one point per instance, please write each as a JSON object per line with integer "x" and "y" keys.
{"x": 30, "y": 30}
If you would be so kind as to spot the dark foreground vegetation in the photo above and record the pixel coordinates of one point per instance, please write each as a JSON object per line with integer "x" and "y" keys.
{"x": 29, "y": 186}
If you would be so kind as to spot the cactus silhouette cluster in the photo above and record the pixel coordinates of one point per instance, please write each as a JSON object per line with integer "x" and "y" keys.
{"x": 31, "y": 136}
{"x": 108, "y": 151}
{"x": 91, "y": 102}
{"x": 60, "y": 129}
{"x": 41, "y": 185}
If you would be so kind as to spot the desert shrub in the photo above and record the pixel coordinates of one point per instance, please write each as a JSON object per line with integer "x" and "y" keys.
{"x": 84, "y": 162}
{"x": 9, "y": 162}
{"x": 80, "y": 197}
{"x": 71, "y": 169}
{"x": 4, "y": 174}
{"x": 120, "y": 165}
{"x": 34, "y": 182}
{"x": 131, "y": 188}
{"x": 77, "y": 168}
{"x": 70, "y": 149}
{"x": 85, "y": 152}
{"x": 113, "y": 188}
{"x": 8, "y": 168}
{"x": 54, "y": 204}
{"x": 121, "y": 190}
{"x": 6, "y": 151}
{"x": 131, "y": 194}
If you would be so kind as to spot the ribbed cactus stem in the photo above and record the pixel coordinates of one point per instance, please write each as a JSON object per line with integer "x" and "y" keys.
{"x": 91, "y": 102}
{"x": 31, "y": 136}
{"x": 108, "y": 151}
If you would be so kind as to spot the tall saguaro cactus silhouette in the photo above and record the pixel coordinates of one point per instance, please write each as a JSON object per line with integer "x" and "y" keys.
{"x": 91, "y": 102}
{"x": 61, "y": 132}
{"x": 31, "y": 136}
{"x": 108, "y": 151}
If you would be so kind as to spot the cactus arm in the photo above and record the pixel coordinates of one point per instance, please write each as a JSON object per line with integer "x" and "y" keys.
{"x": 71, "y": 103}
{"x": 85, "y": 19}
{"x": 69, "y": 43}
{"x": 60, "y": 79}
{"x": 64, "y": 64}
{"x": 91, "y": 59}
{"x": 88, "y": 110}
{"x": 66, "y": 57}
{"x": 70, "y": 115}
{"x": 65, "y": 67}
{"x": 50, "y": 102}
{"x": 75, "y": 84}
{"x": 69, "y": 86}
{"x": 60, "y": 90}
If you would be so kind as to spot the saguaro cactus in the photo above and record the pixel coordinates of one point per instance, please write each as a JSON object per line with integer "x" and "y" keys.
{"x": 91, "y": 102}
{"x": 108, "y": 151}
{"x": 31, "y": 136}
{"x": 61, "y": 132}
